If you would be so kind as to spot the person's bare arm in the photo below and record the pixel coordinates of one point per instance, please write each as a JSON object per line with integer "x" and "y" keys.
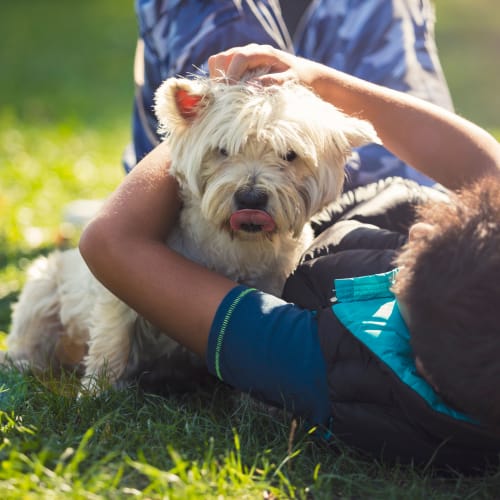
{"x": 124, "y": 246}
{"x": 439, "y": 143}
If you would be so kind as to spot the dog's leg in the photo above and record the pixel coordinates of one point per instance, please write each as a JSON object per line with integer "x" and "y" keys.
{"x": 49, "y": 322}
{"x": 36, "y": 325}
{"x": 109, "y": 344}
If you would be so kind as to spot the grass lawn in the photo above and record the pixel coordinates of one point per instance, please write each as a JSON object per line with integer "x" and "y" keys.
{"x": 64, "y": 120}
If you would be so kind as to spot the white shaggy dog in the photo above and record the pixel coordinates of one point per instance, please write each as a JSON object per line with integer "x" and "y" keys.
{"x": 254, "y": 164}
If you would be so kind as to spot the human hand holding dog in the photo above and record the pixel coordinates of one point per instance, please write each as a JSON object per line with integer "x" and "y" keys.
{"x": 439, "y": 143}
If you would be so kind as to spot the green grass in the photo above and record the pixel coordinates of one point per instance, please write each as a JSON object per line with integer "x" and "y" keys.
{"x": 64, "y": 120}
{"x": 210, "y": 445}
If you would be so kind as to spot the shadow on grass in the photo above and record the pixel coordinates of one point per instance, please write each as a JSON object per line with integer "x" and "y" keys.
{"x": 13, "y": 255}
{"x": 5, "y": 309}
{"x": 13, "y": 263}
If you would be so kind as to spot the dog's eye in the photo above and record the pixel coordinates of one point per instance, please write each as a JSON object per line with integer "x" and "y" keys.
{"x": 290, "y": 155}
{"x": 223, "y": 152}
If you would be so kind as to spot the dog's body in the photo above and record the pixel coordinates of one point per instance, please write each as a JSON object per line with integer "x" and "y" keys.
{"x": 254, "y": 165}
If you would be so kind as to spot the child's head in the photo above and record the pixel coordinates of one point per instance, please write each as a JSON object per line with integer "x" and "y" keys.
{"x": 449, "y": 283}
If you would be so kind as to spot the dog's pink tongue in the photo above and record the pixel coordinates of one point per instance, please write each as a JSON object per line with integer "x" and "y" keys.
{"x": 251, "y": 220}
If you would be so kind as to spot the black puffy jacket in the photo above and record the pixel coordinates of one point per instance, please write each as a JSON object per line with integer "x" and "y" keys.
{"x": 372, "y": 408}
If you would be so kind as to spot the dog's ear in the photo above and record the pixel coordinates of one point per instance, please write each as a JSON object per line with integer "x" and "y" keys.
{"x": 187, "y": 103}
{"x": 179, "y": 101}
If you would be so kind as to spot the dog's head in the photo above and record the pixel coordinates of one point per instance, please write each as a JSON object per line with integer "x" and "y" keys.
{"x": 258, "y": 160}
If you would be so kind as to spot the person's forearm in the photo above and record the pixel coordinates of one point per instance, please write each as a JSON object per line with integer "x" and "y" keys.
{"x": 435, "y": 141}
{"x": 124, "y": 246}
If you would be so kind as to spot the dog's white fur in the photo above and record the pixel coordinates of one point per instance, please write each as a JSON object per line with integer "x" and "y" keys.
{"x": 278, "y": 152}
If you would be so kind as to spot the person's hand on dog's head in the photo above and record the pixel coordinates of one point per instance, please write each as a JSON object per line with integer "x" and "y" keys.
{"x": 235, "y": 63}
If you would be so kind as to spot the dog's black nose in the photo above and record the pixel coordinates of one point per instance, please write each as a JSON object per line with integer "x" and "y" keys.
{"x": 254, "y": 199}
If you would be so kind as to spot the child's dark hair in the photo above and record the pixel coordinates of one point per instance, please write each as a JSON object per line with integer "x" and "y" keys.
{"x": 450, "y": 284}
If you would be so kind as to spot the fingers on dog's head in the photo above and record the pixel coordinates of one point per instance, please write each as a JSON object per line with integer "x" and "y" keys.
{"x": 235, "y": 63}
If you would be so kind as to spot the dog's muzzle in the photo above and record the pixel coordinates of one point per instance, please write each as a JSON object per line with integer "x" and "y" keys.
{"x": 250, "y": 214}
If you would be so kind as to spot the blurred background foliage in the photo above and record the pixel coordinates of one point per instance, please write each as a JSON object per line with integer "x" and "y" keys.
{"x": 65, "y": 103}
{"x": 468, "y": 39}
